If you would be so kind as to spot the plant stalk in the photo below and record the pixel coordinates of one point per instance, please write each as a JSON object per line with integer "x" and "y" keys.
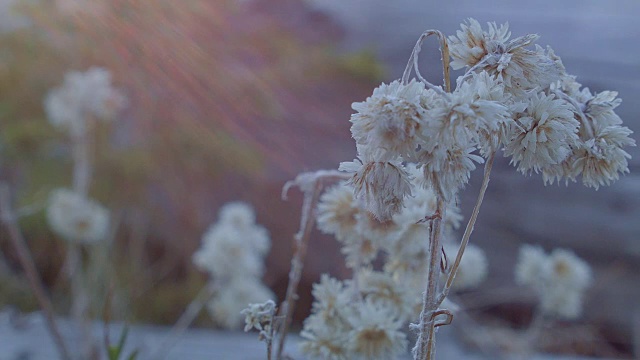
{"x": 24, "y": 256}
{"x": 469, "y": 229}
{"x": 425, "y": 345}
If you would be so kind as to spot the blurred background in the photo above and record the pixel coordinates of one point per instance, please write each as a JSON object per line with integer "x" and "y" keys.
{"x": 229, "y": 99}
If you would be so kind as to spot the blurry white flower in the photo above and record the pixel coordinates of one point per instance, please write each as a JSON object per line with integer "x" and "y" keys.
{"x": 543, "y": 135}
{"x": 560, "y": 279}
{"x": 234, "y": 246}
{"x": 237, "y": 214}
{"x": 473, "y": 269}
{"x": 395, "y": 295}
{"x": 376, "y": 332}
{"x": 325, "y": 341}
{"x": 329, "y": 297}
{"x": 337, "y": 212}
{"x": 82, "y": 96}
{"x": 225, "y": 253}
{"x": 77, "y": 218}
{"x": 226, "y": 306}
{"x": 389, "y": 119}
{"x": 530, "y": 264}
{"x": 380, "y": 186}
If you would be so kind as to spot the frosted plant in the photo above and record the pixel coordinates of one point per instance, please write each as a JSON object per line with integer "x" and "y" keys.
{"x": 260, "y": 316}
{"x": 76, "y": 218}
{"x": 232, "y": 254}
{"x": 417, "y": 144}
{"x": 83, "y": 96}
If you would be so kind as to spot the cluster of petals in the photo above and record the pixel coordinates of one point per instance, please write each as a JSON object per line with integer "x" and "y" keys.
{"x": 232, "y": 253}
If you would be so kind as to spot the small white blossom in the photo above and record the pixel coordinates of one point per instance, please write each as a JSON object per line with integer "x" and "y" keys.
{"x": 376, "y": 333}
{"x": 82, "y": 96}
{"x": 380, "y": 287}
{"x": 543, "y": 135}
{"x": 77, "y": 218}
{"x": 380, "y": 186}
{"x": 531, "y": 261}
{"x": 389, "y": 119}
{"x": 260, "y": 316}
{"x": 337, "y": 212}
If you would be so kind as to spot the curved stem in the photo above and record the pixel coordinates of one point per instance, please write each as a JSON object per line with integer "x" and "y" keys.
{"x": 184, "y": 321}
{"x": 468, "y": 230}
{"x": 413, "y": 62}
{"x": 26, "y": 261}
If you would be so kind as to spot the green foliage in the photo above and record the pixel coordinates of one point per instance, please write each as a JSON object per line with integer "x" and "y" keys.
{"x": 363, "y": 64}
{"x": 116, "y": 351}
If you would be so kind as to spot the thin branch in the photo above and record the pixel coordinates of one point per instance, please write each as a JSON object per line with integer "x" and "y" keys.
{"x": 187, "y": 317}
{"x": 311, "y": 185}
{"x": 425, "y": 344}
{"x": 8, "y": 218}
{"x": 413, "y": 62}
{"x": 469, "y": 229}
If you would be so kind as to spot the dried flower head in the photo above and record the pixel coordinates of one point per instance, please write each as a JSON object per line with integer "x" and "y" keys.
{"x": 389, "y": 119}
{"x": 543, "y": 134}
{"x": 77, "y": 218}
{"x": 380, "y": 186}
{"x": 337, "y": 210}
{"x": 226, "y": 306}
{"x": 519, "y": 68}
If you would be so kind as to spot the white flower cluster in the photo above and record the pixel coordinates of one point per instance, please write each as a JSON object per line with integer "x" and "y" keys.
{"x": 560, "y": 279}
{"x": 401, "y": 238}
{"x": 345, "y": 325}
{"x": 260, "y": 316}
{"x": 511, "y": 97}
{"x": 232, "y": 253}
{"x": 77, "y": 218}
{"x": 362, "y": 318}
{"x": 83, "y": 96}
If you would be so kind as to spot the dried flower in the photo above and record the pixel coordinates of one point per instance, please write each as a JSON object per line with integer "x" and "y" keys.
{"x": 260, "y": 316}
{"x": 389, "y": 119}
{"x": 519, "y": 68}
{"x": 226, "y": 306}
{"x": 77, "y": 218}
{"x": 544, "y": 134}
{"x": 337, "y": 212}
{"x": 380, "y": 186}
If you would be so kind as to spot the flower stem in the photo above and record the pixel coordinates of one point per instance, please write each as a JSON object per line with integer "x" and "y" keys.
{"x": 425, "y": 345}
{"x": 187, "y": 317}
{"x": 297, "y": 262}
{"x": 468, "y": 230}
{"x": 24, "y": 256}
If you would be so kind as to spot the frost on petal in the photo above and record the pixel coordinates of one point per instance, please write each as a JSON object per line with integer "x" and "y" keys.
{"x": 337, "y": 212}
{"x": 543, "y": 134}
{"x": 388, "y": 120}
{"x": 379, "y": 186}
{"x": 601, "y": 160}
{"x": 376, "y": 333}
